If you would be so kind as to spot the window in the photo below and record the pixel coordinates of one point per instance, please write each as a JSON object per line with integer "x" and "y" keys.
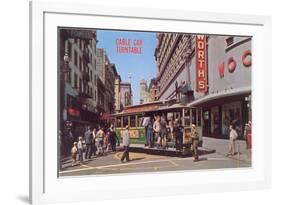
{"x": 95, "y": 97}
{"x": 194, "y": 116}
{"x": 80, "y": 63}
{"x": 133, "y": 121}
{"x": 187, "y": 117}
{"x": 118, "y": 122}
{"x": 140, "y": 119}
{"x": 69, "y": 49}
{"x": 199, "y": 118}
{"x": 91, "y": 75}
{"x": 75, "y": 58}
{"x": 69, "y": 76}
{"x": 125, "y": 121}
{"x": 75, "y": 80}
{"x": 229, "y": 41}
{"x": 80, "y": 84}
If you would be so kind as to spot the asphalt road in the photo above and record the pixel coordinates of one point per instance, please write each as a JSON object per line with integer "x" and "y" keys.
{"x": 140, "y": 162}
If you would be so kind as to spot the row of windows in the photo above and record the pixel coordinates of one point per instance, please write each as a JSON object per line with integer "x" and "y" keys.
{"x": 78, "y": 60}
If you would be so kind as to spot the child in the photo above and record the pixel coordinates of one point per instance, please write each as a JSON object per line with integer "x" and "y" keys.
{"x": 74, "y": 153}
{"x": 80, "y": 149}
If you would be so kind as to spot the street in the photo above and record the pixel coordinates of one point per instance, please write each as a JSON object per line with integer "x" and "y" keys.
{"x": 142, "y": 162}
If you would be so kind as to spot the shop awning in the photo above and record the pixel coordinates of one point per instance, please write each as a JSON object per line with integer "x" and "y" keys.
{"x": 222, "y": 94}
{"x": 106, "y": 116}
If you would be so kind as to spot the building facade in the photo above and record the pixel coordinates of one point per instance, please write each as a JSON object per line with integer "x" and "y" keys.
{"x": 174, "y": 55}
{"x": 228, "y": 100}
{"x": 227, "y": 97}
{"x": 126, "y": 95}
{"x": 144, "y": 92}
{"x": 78, "y": 86}
{"x": 107, "y": 74}
{"x": 117, "y": 94}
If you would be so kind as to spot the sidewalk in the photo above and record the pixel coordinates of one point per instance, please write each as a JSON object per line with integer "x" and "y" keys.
{"x": 221, "y": 147}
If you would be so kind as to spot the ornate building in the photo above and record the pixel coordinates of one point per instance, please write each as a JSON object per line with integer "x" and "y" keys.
{"x": 78, "y": 86}
{"x": 173, "y": 53}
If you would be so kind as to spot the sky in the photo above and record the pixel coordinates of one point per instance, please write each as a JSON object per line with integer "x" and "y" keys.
{"x": 141, "y": 66}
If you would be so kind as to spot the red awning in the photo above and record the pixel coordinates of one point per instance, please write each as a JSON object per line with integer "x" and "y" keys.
{"x": 106, "y": 116}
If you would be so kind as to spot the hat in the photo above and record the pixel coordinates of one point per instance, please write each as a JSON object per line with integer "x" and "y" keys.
{"x": 80, "y": 138}
{"x": 74, "y": 143}
{"x": 127, "y": 127}
{"x": 193, "y": 125}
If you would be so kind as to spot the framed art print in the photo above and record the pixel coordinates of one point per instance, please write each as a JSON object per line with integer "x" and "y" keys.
{"x": 130, "y": 98}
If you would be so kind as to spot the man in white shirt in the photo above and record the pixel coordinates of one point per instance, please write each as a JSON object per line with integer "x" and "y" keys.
{"x": 126, "y": 144}
{"x": 232, "y": 140}
{"x": 157, "y": 130}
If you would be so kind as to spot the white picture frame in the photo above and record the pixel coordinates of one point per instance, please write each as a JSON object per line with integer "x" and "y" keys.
{"x": 46, "y": 187}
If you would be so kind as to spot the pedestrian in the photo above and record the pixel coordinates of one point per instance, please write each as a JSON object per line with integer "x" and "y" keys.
{"x": 106, "y": 141}
{"x": 74, "y": 151}
{"x": 145, "y": 125}
{"x": 195, "y": 142}
{"x": 113, "y": 139}
{"x": 99, "y": 139}
{"x": 249, "y": 135}
{"x": 232, "y": 140}
{"x": 163, "y": 132}
{"x": 247, "y": 130}
{"x": 88, "y": 141}
{"x": 171, "y": 131}
{"x": 80, "y": 149}
{"x": 178, "y": 135}
{"x": 94, "y": 149}
{"x": 126, "y": 144}
{"x": 150, "y": 133}
{"x": 157, "y": 131}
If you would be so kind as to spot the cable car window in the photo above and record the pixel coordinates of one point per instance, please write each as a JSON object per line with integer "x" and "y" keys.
{"x": 199, "y": 118}
{"x": 187, "y": 118}
{"x": 194, "y": 116}
{"x": 118, "y": 122}
{"x": 125, "y": 121}
{"x": 132, "y": 121}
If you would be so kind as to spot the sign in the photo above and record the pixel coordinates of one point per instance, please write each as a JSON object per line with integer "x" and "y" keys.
{"x": 143, "y": 108}
{"x": 201, "y": 64}
{"x": 133, "y": 134}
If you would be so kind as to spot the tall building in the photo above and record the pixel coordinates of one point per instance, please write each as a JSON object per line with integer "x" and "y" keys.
{"x": 117, "y": 94}
{"x": 107, "y": 74}
{"x": 148, "y": 93}
{"x": 78, "y": 88}
{"x": 174, "y": 53}
{"x": 126, "y": 95}
{"x": 144, "y": 92}
{"x": 153, "y": 89}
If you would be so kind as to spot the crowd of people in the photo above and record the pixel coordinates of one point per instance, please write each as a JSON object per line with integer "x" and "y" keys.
{"x": 94, "y": 142}
{"x": 159, "y": 131}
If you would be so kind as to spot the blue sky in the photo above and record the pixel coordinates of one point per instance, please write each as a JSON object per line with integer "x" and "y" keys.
{"x": 142, "y": 66}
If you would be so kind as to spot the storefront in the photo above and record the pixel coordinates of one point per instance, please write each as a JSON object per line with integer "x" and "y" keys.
{"x": 227, "y": 97}
{"x": 221, "y": 111}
